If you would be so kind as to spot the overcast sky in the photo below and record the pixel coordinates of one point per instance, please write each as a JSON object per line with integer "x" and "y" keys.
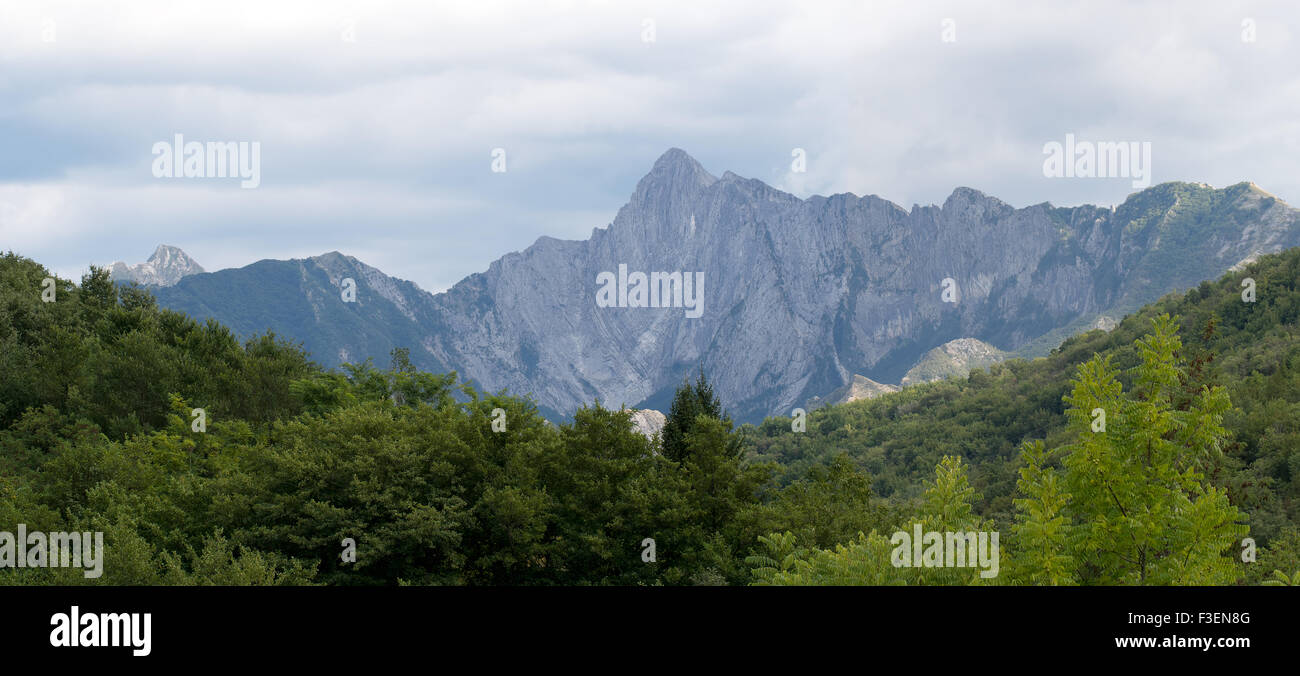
{"x": 377, "y": 121}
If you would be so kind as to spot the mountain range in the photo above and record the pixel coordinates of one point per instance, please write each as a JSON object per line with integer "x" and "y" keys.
{"x": 800, "y": 297}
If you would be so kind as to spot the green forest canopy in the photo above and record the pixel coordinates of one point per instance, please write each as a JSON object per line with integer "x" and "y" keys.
{"x": 98, "y": 392}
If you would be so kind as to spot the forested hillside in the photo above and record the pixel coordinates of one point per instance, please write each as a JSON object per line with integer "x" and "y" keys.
{"x": 209, "y": 461}
{"x": 1251, "y": 349}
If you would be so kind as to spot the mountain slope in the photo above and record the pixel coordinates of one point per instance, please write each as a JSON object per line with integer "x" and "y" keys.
{"x": 303, "y": 299}
{"x": 798, "y": 295}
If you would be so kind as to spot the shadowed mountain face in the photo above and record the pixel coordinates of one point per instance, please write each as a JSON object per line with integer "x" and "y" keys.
{"x": 797, "y": 295}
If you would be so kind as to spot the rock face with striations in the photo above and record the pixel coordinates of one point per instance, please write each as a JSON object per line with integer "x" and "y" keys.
{"x": 799, "y": 295}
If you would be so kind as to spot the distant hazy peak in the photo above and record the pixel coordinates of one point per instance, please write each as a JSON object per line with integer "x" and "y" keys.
{"x": 337, "y": 264}
{"x": 678, "y": 159}
{"x": 165, "y": 267}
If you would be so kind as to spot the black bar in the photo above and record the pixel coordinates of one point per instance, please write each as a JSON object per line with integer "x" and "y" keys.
{"x": 538, "y": 625}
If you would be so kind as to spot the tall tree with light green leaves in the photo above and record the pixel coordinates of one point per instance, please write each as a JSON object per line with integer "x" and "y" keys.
{"x": 1041, "y": 554}
{"x": 1132, "y": 504}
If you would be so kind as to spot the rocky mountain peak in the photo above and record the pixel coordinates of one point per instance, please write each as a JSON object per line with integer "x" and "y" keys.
{"x": 971, "y": 202}
{"x": 335, "y": 262}
{"x": 676, "y": 161}
{"x": 675, "y": 173}
{"x": 165, "y": 267}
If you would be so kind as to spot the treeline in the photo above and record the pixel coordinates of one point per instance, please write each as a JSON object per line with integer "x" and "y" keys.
{"x": 205, "y": 460}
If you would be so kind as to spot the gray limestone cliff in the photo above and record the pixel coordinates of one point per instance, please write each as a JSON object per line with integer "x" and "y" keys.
{"x": 799, "y": 295}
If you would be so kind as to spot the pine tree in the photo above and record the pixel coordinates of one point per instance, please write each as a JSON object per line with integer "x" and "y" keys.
{"x": 690, "y": 402}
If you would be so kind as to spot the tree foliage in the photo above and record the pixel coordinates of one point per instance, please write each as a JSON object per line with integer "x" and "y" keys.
{"x": 435, "y": 482}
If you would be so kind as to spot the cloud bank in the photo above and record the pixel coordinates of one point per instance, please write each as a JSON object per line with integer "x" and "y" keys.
{"x": 377, "y": 121}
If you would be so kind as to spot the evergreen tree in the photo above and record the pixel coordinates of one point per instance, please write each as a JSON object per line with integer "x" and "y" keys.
{"x": 690, "y": 401}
